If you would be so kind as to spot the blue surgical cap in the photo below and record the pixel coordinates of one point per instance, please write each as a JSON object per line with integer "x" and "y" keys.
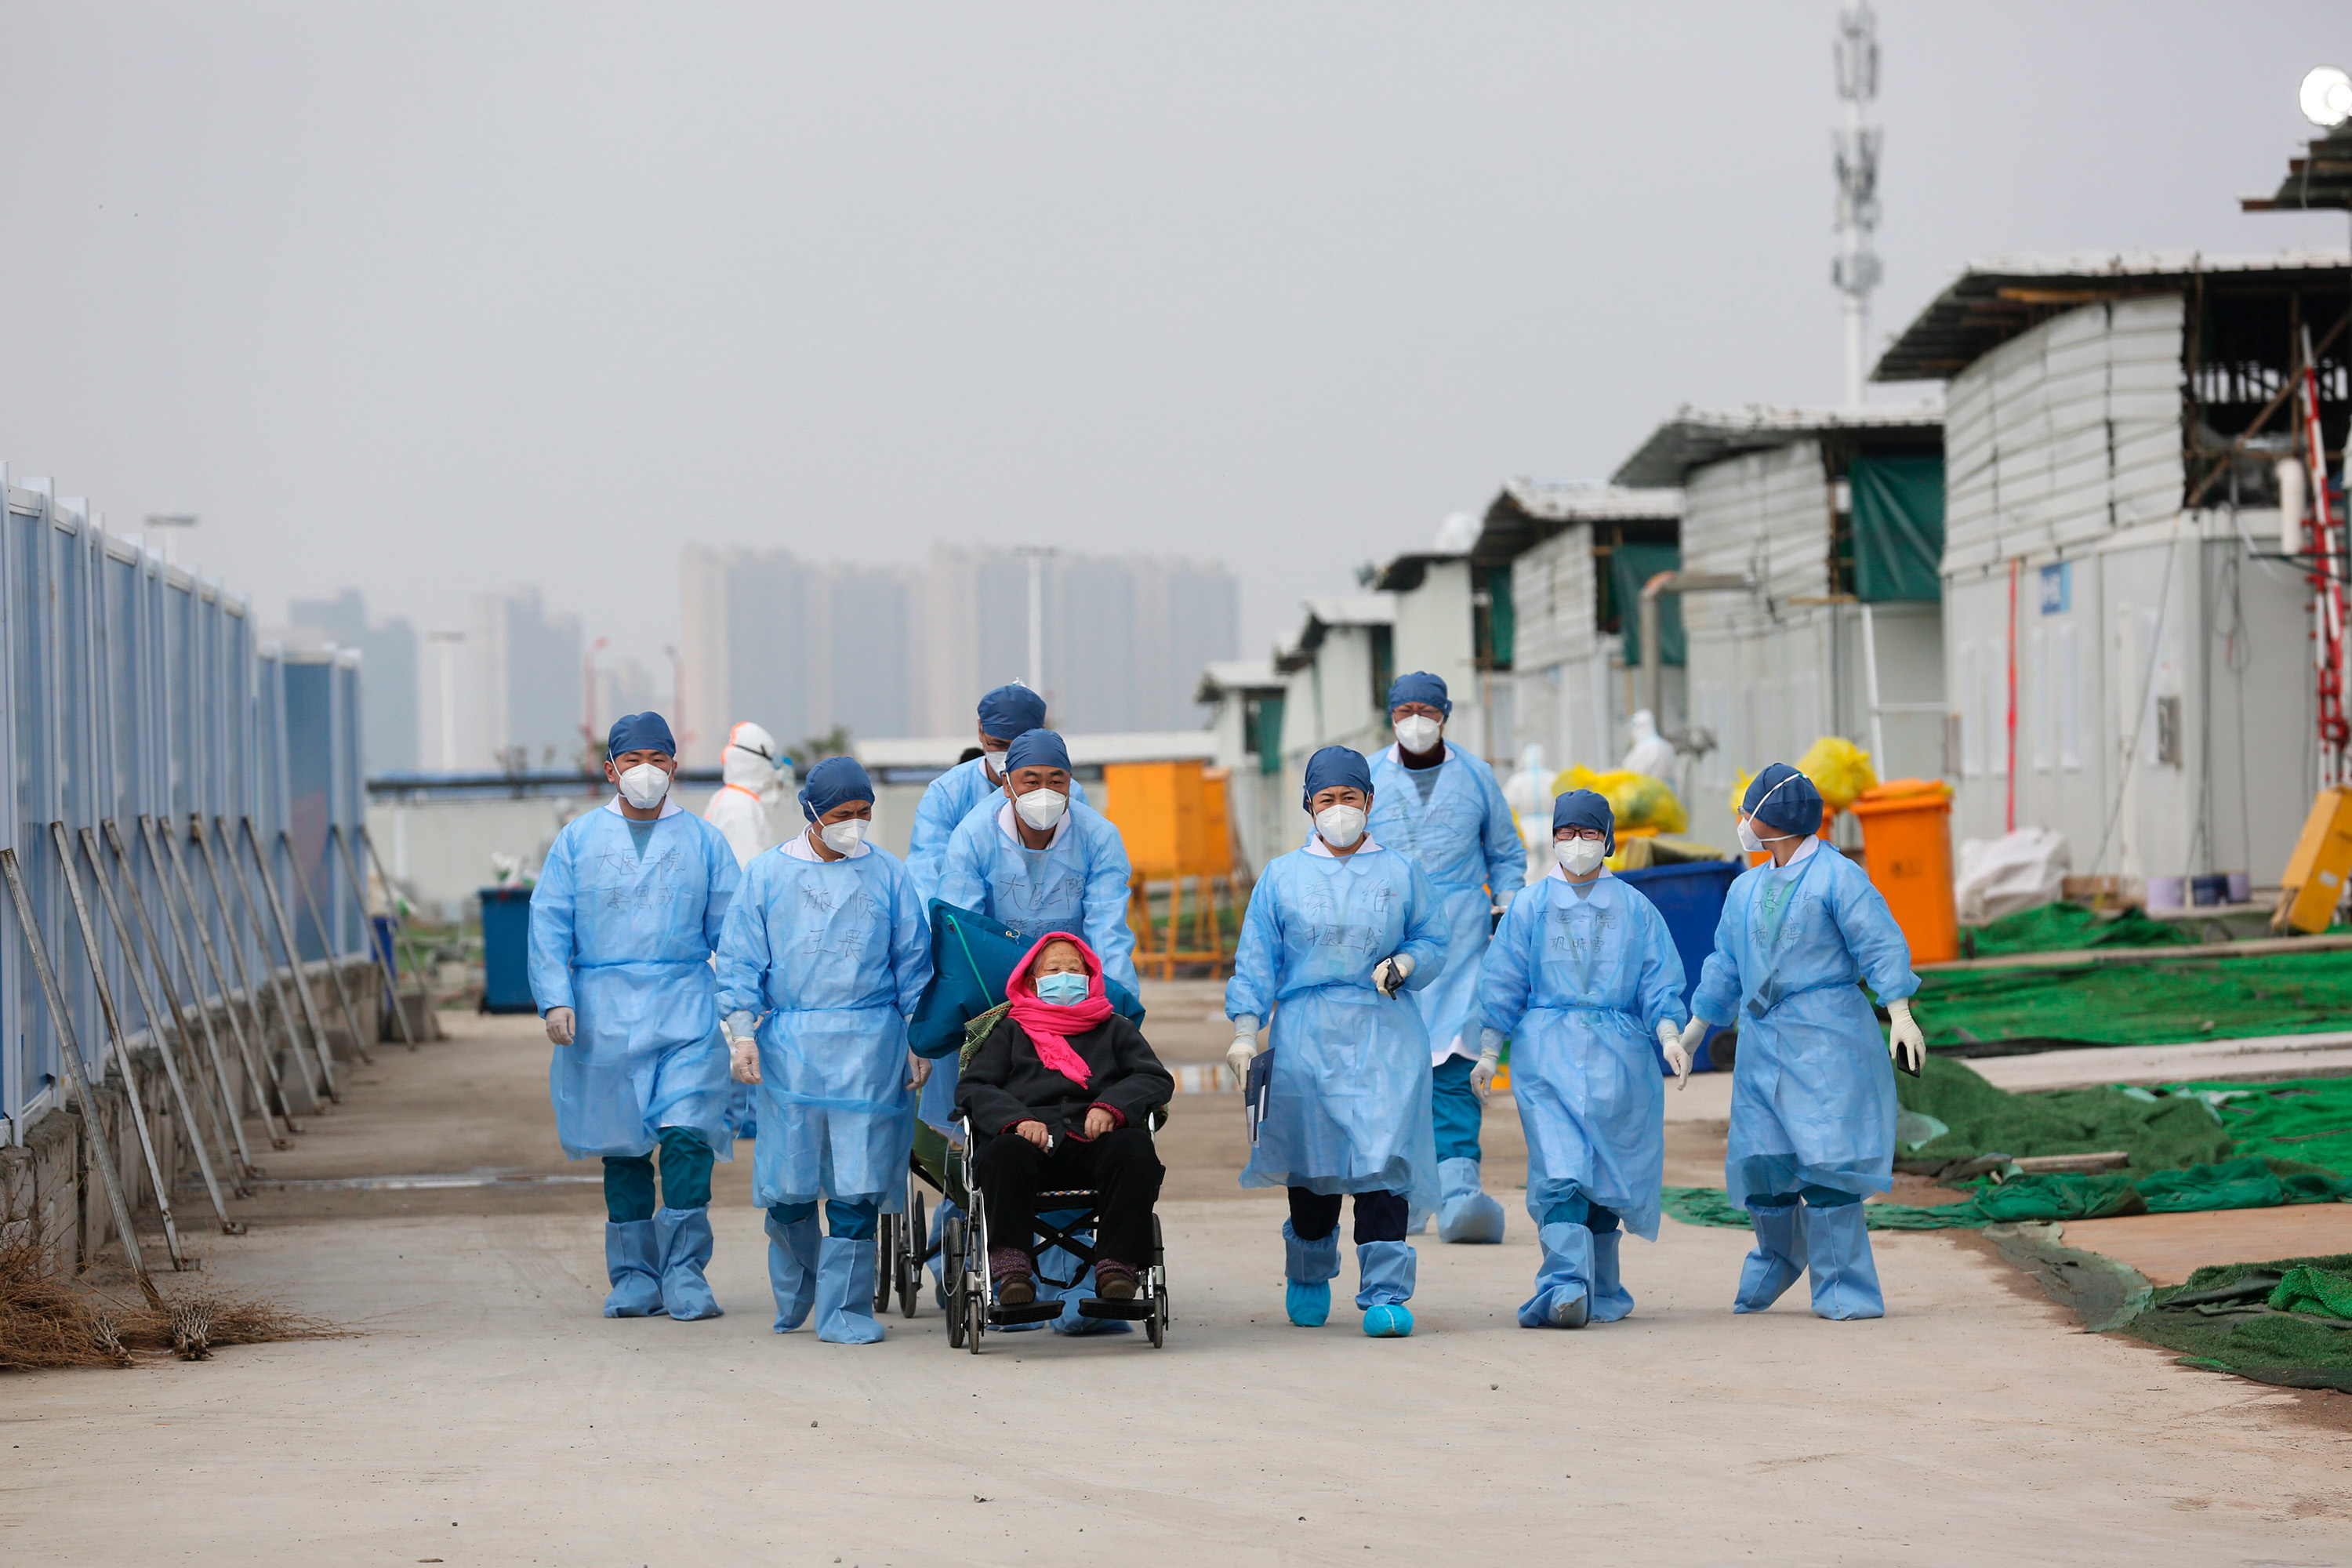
{"x": 1585, "y": 808}
{"x": 832, "y": 782}
{"x": 1011, "y": 711}
{"x": 1420, "y": 687}
{"x": 1036, "y": 749}
{"x": 1795, "y": 805}
{"x": 646, "y": 731}
{"x": 1334, "y": 767}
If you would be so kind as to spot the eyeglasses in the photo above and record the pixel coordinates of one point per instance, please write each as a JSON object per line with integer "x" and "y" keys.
{"x": 1590, "y": 834}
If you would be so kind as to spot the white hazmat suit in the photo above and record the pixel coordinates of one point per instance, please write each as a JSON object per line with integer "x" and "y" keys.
{"x": 739, "y": 809}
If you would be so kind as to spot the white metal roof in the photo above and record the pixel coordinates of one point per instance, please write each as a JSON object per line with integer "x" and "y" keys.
{"x": 1696, "y": 437}
{"x": 1240, "y": 675}
{"x": 1360, "y": 610}
{"x": 1583, "y": 502}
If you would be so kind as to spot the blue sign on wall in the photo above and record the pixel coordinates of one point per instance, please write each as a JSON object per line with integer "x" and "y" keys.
{"x": 2058, "y": 588}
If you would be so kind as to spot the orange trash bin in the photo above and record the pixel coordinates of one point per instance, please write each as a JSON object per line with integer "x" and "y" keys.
{"x": 1906, "y": 847}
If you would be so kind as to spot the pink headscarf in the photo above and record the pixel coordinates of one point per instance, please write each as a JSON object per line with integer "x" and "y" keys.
{"x": 1048, "y": 1025}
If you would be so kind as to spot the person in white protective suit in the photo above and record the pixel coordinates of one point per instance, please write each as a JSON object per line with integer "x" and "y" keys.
{"x": 753, "y": 766}
{"x": 1528, "y": 793}
{"x": 1650, "y": 753}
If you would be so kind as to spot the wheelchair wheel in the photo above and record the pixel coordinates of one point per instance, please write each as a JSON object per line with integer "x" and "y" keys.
{"x": 951, "y": 1263}
{"x": 914, "y": 1235}
{"x": 1157, "y": 1327}
{"x": 885, "y": 1248}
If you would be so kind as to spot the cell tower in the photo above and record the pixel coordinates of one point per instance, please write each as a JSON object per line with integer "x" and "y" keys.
{"x": 1855, "y": 271}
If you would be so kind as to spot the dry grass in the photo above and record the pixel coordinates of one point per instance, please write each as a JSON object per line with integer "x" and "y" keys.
{"x": 48, "y": 1320}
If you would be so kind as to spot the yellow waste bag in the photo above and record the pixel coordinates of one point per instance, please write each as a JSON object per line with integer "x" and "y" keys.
{"x": 1637, "y": 799}
{"x": 1837, "y": 767}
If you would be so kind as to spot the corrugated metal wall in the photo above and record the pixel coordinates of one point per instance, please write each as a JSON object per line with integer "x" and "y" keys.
{"x": 2064, "y": 456}
{"x": 135, "y": 689}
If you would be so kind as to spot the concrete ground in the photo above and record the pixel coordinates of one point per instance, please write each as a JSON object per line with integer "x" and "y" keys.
{"x": 486, "y": 1414}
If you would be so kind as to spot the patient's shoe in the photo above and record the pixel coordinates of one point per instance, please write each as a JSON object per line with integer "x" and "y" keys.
{"x": 1015, "y": 1285}
{"x": 1115, "y": 1281}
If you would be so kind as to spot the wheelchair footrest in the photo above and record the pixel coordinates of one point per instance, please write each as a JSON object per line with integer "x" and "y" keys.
{"x": 1035, "y": 1313}
{"x": 1135, "y": 1311}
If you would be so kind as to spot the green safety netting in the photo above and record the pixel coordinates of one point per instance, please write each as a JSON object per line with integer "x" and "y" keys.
{"x": 1629, "y": 566}
{"x": 2191, "y": 1147}
{"x": 1898, "y": 528}
{"x": 2159, "y": 1002}
{"x": 2288, "y": 1321}
{"x": 2065, "y": 928}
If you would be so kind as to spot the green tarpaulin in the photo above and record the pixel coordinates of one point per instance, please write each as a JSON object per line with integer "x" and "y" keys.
{"x": 1898, "y": 528}
{"x": 2155, "y": 1001}
{"x": 1629, "y": 566}
{"x": 2064, "y": 927}
{"x": 2282, "y": 1323}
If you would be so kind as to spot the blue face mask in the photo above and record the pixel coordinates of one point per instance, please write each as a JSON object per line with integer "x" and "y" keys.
{"x": 1061, "y": 990}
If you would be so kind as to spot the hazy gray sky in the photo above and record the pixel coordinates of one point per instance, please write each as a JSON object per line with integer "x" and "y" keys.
{"x": 429, "y": 298}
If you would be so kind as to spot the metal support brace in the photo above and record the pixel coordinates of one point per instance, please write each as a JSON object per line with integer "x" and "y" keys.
{"x": 225, "y": 1098}
{"x": 408, "y": 947}
{"x": 246, "y": 905}
{"x": 260, "y": 1065}
{"x": 156, "y": 1027}
{"x": 293, "y": 953}
{"x": 70, "y": 1054}
{"x": 158, "y": 1177}
{"x": 326, "y": 944}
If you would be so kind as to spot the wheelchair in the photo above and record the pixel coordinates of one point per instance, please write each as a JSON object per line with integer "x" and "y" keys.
{"x": 972, "y": 1307}
{"x": 905, "y": 1246}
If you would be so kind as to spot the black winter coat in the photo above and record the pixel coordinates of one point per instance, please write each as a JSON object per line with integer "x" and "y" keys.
{"x": 1004, "y": 1082}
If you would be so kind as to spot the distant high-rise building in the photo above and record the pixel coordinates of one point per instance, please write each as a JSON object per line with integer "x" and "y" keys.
{"x": 523, "y": 667}
{"x": 887, "y": 652}
{"x": 388, "y": 717}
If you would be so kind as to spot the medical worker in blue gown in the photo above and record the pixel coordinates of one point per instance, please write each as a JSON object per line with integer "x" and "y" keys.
{"x": 1812, "y": 1090}
{"x": 1581, "y": 980}
{"x": 1443, "y": 809}
{"x": 1334, "y": 933}
{"x": 623, "y": 923}
{"x": 1040, "y": 859}
{"x": 827, "y": 949}
{"x": 1006, "y": 714}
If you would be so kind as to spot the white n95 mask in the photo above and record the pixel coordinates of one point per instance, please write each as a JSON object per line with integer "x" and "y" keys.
{"x": 1578, "y": 856}
{"x": 1041, "y": 809}
{"x": 1748, "y": 839}
{"x": 841, "y": 837}
{"x": 644, "y": 786}
{"x": 1340, "y": 826}
{"x": 1417, "y": 734}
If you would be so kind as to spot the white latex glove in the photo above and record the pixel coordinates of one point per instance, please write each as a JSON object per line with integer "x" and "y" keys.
{"x": 1906, "y": 1041}
{"x": 561, "y": 1025}
{"x": 1482, "y": 1076}
{"x": 1503, "y": 901}
{"x": 1245, "y": 1047}
{"x": 744, "y": 1059}
{"x": 1391, "y": 973}
{"x": 919, "y": 1071}
{"x": 1679, "y": 1056}
{"x": 1693, "y": 1033}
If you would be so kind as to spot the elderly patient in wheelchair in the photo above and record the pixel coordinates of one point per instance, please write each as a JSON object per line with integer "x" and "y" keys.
{"x": 1058, "y": 1095}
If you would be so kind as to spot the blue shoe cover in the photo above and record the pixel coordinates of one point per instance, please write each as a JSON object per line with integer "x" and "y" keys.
{"x": 791, "y": 1270}
{"x": 1313, "y": 1262}
{"x": 1845, "y": 1277}
{"x": 1464, "y": 1212}
{"x": 949, "y": 1209}
{"x": 1779, "y": 1256}
{"x": 684, "y": 1236}
{"x": 1563, "y": 1298}
{"x": 1307, "y": 1306}
{"x": 845, "y": 1292}
{"x": 1389, "y": 1323}
{"x": 1385, "y": 1271}
{"x": 633, "y": 1264}
{"x": 1610, "y": 1300}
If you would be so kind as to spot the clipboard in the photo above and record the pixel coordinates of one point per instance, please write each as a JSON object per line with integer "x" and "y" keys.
{"x": 1255, "y": 1091}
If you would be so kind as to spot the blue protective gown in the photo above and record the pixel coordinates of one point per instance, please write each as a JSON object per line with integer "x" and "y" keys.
{"x": 1580, "y": 983}
{"x": 947, "y": 801}
{"x": 1347, "y": 1105}
{"x": 625, "y": 944}
{"x": 1467, "y": 840}
{"x": 836, "y": 953}
{"x": 1813, "y": 1091}
{"x": 1077, "y": 883}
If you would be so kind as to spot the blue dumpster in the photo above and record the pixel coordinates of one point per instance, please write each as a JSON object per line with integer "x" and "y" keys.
{"x": 1691, "y": 898}
{"x": 506, "y": 951}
